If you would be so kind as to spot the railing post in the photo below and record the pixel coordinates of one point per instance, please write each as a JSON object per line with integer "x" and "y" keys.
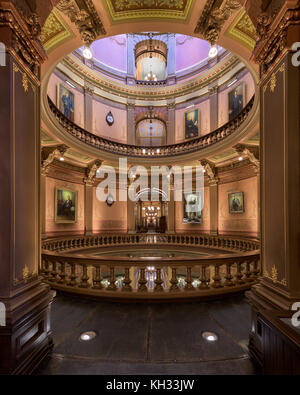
{"x": 239, "y": 275}
{"x": 189, "y": 280}
{"x": 97, "y": 278}
{"x": 204, "y": 283}
{"x": 158, "y": 282}
{"x": 142, "y": 281}
{"x": 112, "y": 279}
{"x": 217, "y": 278}
{"x": 228, "y": 282}
{"x": 127, "y": 281}
{"x": 84, "y": 278}
{"x": 73, "y": 276}
{"x": 62, "y": 275}
{"x": 174, "y": 281}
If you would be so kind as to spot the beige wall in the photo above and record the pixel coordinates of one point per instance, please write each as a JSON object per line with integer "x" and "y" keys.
{"x": 116, "y": 132}
{"x": 246, "y": 223}
{"x": 109, "y": 219}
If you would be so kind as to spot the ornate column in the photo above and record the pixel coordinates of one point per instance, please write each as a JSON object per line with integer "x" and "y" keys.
{"x": 131, "y": 73}
{"x": 171, "y": 66}
{"x": 213, "y": 182}
{"x": 88, "y": 107}
{"x": 89, "y": 196}
{"x": 214, "y": 107}
{"x": 171, "y": 123}
{"x": 279, "y": 287}
{"x": 131, "y": 123}
{"x": 25, "y": 337}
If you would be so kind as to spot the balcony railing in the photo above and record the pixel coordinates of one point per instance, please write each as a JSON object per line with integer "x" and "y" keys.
{"x": 154, "y": 152}
{"x": 128, "y": 277}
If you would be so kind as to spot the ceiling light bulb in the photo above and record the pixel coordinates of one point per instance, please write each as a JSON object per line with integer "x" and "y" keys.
{"x": 87, "y": 53}
{"x": 240, "y": 158}
{"x": 213, "y": 52}
{"x": 62, "y": 159}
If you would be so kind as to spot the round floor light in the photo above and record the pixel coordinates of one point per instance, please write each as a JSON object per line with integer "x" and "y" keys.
{"x": 210, "y": 336}
{"x": 87, "y": 336}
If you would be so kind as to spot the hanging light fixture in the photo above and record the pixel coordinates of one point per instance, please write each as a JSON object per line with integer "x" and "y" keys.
{"x": 87, "y": 53}
{"x": 213, "y": 52}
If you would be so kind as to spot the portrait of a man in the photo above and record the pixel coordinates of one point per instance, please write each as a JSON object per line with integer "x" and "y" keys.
{"x": 236, "y": 101}
{"x": 66, "y": 102}
{"x": 192, "y": 208}
{"x": 236, "y": 203}
{"x": 192, "y": 124}
{"x": 65, "y": 206}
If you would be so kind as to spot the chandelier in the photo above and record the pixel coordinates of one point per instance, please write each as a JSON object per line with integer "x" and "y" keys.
{"x": 151, "y": 76}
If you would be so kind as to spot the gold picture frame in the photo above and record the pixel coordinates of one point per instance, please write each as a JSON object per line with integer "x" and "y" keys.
{"x": 66, "y": 205}
{"x": 192, "y": 117}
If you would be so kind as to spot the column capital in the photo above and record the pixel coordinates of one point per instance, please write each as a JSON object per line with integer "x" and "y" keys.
{"x": 48, "y": 156}
{"x": 91, "y": 172}
{"x": 211, "y": 172}
{"x": 248, "y": 152}
{"x": 213, "y": 90}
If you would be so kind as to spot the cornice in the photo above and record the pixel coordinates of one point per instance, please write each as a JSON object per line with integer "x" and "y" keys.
{"x": 149, "y": 93}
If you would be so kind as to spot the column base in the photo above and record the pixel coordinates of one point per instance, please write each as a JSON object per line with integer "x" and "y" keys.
{"x": 26, "y": 338}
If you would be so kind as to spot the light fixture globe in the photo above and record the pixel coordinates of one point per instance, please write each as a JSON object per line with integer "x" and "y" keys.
{"x": 87, "y": 53}
{"x": 213, "y": 52}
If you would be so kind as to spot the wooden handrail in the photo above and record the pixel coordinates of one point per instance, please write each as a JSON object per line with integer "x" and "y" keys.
{"x": 154, "y": 152}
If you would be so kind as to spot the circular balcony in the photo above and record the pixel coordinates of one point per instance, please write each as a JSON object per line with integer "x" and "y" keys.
{"x": 227, "y": 135}
{"x": 183, "y": 266}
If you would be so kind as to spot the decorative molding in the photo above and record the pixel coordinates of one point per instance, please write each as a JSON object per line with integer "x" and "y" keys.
{"x": 213, "y": 18}
{"x": 210, "y": 171}
{"x": 272, "y": 40}
{"x": 121, "y": 10}
{"x": 243, "y": 31}
{"x": 84, "y": 15}
{"x": 23, "y": 42}
{"x": 248, "y": 152}
{"x": 54, "y": 32}
{"x": 92, "y": 172}
{"x": 48, "y": 156}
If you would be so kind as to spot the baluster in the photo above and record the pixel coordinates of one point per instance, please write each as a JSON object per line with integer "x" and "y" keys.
{"x": 85, "y": 277}
{"x": 255, "y": 270}
{"x": 174, "y": 280}
{"x": 217, "y": 278}
{"x": 239, "y": 274}
{"x": 73, "y": 277}
{"x": 127, "y": 287}
{"x": 158, "y": 282}
{"x": 228, "y": 282}
{"x": 47, "y": 270}
{"x": 62, "y": 275}
{"x": 142, "y": 281}
{"x": 247, "y": 277}
{"x": 204, "y": 282}
{"x": 97, "y": 278}
{"x": 52, "y": 273}
{"x": 189, "y": 280}
{"x": 112, "y": 279}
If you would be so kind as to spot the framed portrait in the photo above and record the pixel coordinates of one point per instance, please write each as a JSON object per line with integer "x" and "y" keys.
{"x": 192, "y": 208}
{"x": 236, "y": 100}
{"x": 66, "y": 203}
{"x": 192, "y": 124}
{"x": 66, "y": 101}
{"x": 236, "y": 203}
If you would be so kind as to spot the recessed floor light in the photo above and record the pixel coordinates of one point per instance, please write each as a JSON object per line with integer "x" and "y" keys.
{"x": 87, "y": 336}
{"x": 210, "y": 336}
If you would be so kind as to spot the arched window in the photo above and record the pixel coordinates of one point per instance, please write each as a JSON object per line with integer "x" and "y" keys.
{"x": 151, "y": 133}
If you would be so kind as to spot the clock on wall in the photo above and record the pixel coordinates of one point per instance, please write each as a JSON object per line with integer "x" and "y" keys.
{"x": 110, "y": 200}
{"x": 110, "y": 119}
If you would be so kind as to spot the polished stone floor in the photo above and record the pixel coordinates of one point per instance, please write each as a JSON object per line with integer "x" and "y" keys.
{"x": 156, "y": 339}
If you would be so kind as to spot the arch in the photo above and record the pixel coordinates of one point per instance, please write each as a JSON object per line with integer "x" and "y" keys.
{"x": 151, "y": 132}
{"x": 151, "y": 191}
